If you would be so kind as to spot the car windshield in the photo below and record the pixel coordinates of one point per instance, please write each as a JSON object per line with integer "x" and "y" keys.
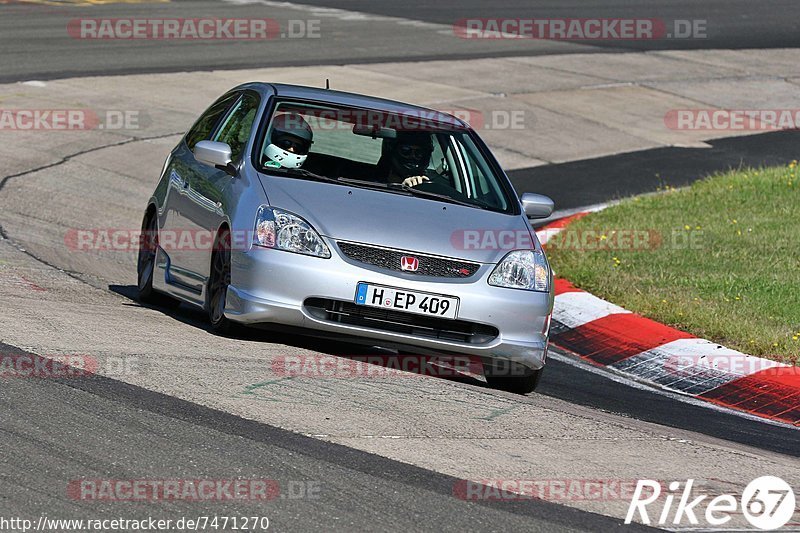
{"x": 396, "y": 153}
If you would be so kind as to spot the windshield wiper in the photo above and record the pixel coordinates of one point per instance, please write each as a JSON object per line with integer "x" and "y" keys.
{"x": 368, "y": 184}
{"x": 303, "y": 173}
{"x": 371, "y": 184}
{"x": 432, "y": 195}
{"x": 379, "y": 185}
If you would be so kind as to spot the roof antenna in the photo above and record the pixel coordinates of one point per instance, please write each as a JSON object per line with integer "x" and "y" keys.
{"x": 327, "y": 83}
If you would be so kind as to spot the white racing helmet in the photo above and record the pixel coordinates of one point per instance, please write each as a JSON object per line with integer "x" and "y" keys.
{"x": 290, "y": 140}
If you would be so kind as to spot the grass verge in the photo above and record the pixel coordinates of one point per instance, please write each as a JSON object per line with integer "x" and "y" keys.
{"x": 719, "y": 259}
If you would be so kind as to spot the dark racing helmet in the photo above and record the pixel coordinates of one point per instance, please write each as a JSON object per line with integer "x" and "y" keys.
{"x": 409, "y": 153}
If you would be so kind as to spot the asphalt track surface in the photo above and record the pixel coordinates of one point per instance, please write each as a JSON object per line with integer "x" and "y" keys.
{"x": 54, "y": 431}
{"x": 595, "y": 181}
{"x": 36, "y": 44}
{"x": 732, "y": 24}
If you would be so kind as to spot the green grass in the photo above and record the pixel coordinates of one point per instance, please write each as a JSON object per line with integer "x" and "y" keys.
{"x": 727, "y": 267}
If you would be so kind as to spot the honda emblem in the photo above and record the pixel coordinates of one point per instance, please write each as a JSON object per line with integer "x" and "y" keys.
{"x": 409, "y": 264}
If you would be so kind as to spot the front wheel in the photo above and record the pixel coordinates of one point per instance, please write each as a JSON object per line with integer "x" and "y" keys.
{"x": 218, "y": 283}
{"x": 515, "y": 378}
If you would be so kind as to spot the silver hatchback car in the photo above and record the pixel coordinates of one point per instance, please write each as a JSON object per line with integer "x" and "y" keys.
{"x": 336, "y": 214}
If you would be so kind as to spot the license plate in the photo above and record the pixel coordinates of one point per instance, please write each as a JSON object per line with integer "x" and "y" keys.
{"x": 420, "y": 303}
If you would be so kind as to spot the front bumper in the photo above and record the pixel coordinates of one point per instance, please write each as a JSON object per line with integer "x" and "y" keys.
{"x": 273, "y": 286}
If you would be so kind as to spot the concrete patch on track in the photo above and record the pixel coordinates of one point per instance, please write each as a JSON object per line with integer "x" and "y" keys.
{"x": 557, "y": 99}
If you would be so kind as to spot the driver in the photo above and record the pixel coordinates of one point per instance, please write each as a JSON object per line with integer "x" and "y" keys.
{"x": 290, "y": 141}
{"x": 405, "y": 158}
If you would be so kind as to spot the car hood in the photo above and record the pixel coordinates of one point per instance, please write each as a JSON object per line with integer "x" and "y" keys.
{"x": 398, "y": 221}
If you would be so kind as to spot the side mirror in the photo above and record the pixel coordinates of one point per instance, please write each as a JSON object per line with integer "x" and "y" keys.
{"x": 537, "y": 205}
{"x": 213, "y": 154}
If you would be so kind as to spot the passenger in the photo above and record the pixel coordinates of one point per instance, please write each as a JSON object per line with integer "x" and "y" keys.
{"x": 405, "y": 158}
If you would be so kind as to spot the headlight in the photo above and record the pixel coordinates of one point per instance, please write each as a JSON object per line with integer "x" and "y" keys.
{"x": 522, "y": 269}
{"x": 281, "y": 230}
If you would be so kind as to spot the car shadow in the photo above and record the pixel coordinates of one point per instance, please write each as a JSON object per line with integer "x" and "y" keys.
{"x": 373, "y": 355}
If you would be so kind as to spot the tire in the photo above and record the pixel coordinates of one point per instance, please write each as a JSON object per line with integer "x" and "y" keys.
{"x": 146, "y": 266}
{"x": 218, "y": 282}
{"x": 519, "y": 381}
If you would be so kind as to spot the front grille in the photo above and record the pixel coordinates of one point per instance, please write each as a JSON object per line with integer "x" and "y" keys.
{"x": 429, "y": 265}
{"x": 399, "y": 322}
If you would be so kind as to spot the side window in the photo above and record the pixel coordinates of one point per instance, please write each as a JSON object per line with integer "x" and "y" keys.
{"x": 455, "y": 160}
{"x": 439, "y": 162}
{"x": 202, "y": 129}
{"x": 478, "y": 175}
{"x": 238, "y": 124}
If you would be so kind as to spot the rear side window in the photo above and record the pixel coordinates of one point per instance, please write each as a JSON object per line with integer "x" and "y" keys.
{"x": 204, "y": 127}
{"x": 237, "y": 126}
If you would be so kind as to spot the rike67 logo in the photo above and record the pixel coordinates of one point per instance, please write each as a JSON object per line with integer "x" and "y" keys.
{"x": 767, "y": 503}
